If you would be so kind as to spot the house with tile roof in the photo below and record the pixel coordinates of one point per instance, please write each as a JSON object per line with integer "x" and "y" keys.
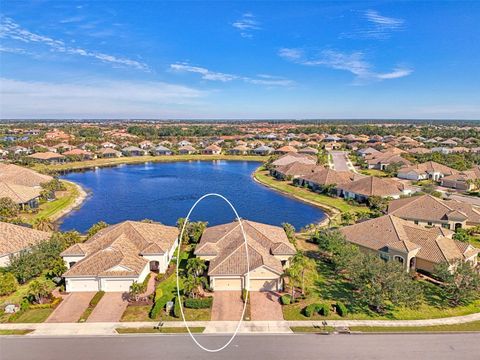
{"x": 294, "y": 157}
{"x": 294, "y": 170}
{"x": 223, "y": 248}
{"x": 360, "y": 190}
{"x": 414, "y": 246}
{"x": 23, "y": 196}
{"x": 47, "y": 157}
{"x": 20, "y": 175}
{"x": 118, "y": 255}
{"x": 428, "y": 210}
{"x": 463, "y": 180}
{"x": 15, "y": 238}
{"x": 428, "y": 170}
{"x": 324, "y": 177}
{"x": 212, "y": 150}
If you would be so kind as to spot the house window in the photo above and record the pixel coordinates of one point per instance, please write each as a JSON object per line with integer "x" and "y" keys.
{"x": 70, "y": 264}
{"x": 429, "y": 223}
{"x": 416, "y": 222}
{"x": 399, "y": 259}
{"x": 446, "y": 226}
{"x": 384, "y": 256}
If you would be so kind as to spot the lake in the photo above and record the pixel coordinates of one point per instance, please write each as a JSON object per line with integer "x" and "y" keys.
{"x": 165, "y": 192}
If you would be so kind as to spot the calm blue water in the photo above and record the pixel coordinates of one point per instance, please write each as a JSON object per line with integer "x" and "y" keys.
{"x": 165, "y": 192}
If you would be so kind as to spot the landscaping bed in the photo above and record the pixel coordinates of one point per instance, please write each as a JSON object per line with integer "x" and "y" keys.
{"x": 15, "y": 332}
{"x": 95, "y": 300}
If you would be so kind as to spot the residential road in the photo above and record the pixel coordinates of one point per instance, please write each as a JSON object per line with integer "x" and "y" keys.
{"x": 244, "y": 347}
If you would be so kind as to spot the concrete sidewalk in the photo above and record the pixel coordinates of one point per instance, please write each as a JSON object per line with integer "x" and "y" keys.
{"x": 272, "y": 327}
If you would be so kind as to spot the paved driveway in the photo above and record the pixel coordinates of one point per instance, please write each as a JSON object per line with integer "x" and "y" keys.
{"x": 227, "y": 305}
{"x": 110, "y": 308}
{"x": 265, "y": 306}
{"x": 71, "y": 308}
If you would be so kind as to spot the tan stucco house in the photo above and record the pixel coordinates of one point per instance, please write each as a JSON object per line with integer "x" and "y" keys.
{"x": 223, "y": 247}
{"x": 414, "y": 246}
{"x": 118, "y": 255}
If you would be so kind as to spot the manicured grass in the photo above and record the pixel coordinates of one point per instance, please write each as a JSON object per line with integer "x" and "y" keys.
{"x": 137, "y": 313}
{"x": 77, "y": 165}
{"x": 34, "y": 316}
{"x": 50, "y": 209}
{"x": 311, "y": 329}
{"x": 15, "y": 332}
{"x": 305, "y": 194}
{"x": 471, "y": 326}
{"x": 95, "y": 300}
{"x": 329, "y": 287}
{"x": 163, "y": 330}
{"x": 374, "y": 172}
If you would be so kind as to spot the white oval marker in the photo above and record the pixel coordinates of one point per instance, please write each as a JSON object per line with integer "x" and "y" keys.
{"x": 248, "y": 273}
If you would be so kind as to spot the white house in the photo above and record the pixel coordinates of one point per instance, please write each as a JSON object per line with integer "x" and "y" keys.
{"x": 118, "y": 255}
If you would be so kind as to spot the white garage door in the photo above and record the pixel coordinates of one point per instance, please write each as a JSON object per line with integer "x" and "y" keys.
{"x": 263, "y": 285}
{"x": 74, "y": 285}
{"x": 227, "y": 284}
{"x": 116, "y": 285}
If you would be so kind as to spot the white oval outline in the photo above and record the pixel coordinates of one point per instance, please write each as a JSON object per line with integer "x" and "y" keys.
{"x": 248, "y": 272}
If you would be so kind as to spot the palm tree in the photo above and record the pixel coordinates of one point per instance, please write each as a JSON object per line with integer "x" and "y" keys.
{"x": 135, "y": 290}
{"x": 300, "y": 262}
{"x": 191, "y": 284}
{"x": 195, "y": 266}
{"x": 43, "y": 224}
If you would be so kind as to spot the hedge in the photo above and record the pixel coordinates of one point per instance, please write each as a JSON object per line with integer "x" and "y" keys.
{"x": 311, "y": 309}
{"x": 244, "y": 295}
{"x": 200, "y": 303}
{"x": 96, "y": 298}
{"x": 341, "y": 309}
{"x": 324, "y": 309}
{"x": 176, "y": 308}
{"x": 285, "y": 299}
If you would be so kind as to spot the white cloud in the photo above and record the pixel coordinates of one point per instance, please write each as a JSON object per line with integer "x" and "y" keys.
{"x": 247, "y": 24}
{"x": 9, "y": 29}
{"x": 101, "y": 98}
{"x": 377, "y": 26}
{"x": 354, "y": 63}
{"x": 206, "y": 74}
{"x": 386, "y": 22}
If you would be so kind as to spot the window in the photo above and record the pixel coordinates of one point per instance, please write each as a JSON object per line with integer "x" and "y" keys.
{"x": 384, "y": 256}
{"x": 399, "y": 259}
{"x": 429, "y": 223}
{"x": 416, "y": 222}
{"x": 446, "y": 226}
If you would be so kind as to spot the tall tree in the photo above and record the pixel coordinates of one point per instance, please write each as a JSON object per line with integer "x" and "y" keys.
{"x": 461, "y": 282}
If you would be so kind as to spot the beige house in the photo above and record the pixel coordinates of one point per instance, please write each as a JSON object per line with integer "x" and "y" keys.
{"x": 212, "y": 150}
{"x": 223, "y": 247}
{"x": 47, "y": 157}
{"x": 427, "y": 170}
{"x": 428, "y": 210}
{"x": 19, "y": 175}
{"x": 15, "y": 238}
{"x": 464, "y": 180}
{"x": 23, "y": 196}
{"x": 360, "y": 190}
{"x": 294, "y": 157}
{"x": 294, "y": 170}
{"x": 318, "y": 180}
{"x": 118, "y": 255}
{"x": 414, "y": 246}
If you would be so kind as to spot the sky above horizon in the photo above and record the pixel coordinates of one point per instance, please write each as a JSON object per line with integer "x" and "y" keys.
{"x": 240, "y": 60}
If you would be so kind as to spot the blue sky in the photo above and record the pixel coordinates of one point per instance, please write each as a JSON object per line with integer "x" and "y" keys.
{"x": 154, "y": 59}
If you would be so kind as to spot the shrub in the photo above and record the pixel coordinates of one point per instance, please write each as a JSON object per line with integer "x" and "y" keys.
{"x": 285, "y": 299}
{"x": 8, "y": 284}
{"x": 323, "y": 309}
{"x": 309, "y": 310}
{"x": 341, "y": 309}
{"x": 96, "y": 298}
{"x": 200, "y": 303}
{"x": 176, "y": 308}
{"x": 245, "y": 298}
{"x": 155, "y": 311}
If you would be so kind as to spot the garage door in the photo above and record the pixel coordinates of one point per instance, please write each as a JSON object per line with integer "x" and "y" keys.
{"x": 228, "y": 284}
{"x": 74, "y": 285}
{"x": 263, "y": 285}
{"x": 116, "y": 285}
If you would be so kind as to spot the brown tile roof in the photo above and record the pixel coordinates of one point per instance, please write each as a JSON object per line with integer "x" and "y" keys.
{"x": 386, "y": 158}
{"x": 18, "y": 193}
{"x": 227, "y": 244}
{"x": 19, "y": 175}
{"x": 428, "y": 167}
{"x": 392, "y": 232}
{"x": 430, "y": 208}
{"x": 117, "y": 249}
{"x": 14, "y": 238}
{"x": 373, "y": 186}
{"x": 46, "y": 156}
{"x": 287, "y": 149}
{"x": 294, "y": 157}
{"x": 298, "y": 169}
{"x": 328, "y": 176}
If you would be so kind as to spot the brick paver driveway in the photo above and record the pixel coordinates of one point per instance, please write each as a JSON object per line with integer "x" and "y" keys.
{"x": 227, "y": 305}
{"x": 71, "y": 308}
{"x": 110, "y": 308}
{"x": 265, "y": 306}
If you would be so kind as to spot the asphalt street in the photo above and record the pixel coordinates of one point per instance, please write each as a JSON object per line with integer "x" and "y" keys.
{"x": 244, "y": 347}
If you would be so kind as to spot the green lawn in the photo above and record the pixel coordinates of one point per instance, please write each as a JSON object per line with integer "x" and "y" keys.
{"x": 328, "y": 287}
{"x": 166, "y": 330}
{"x": 311, "y": 329}
{"x": 50, "y": 209}
{"x": 374, "y": 172}
{"x": 471, "y": 326}
{"x": 15, "y": 332}
{"x": 305, "y": 194}
{"x": 77, "y": 165}
{"x": 34, "y": 316}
